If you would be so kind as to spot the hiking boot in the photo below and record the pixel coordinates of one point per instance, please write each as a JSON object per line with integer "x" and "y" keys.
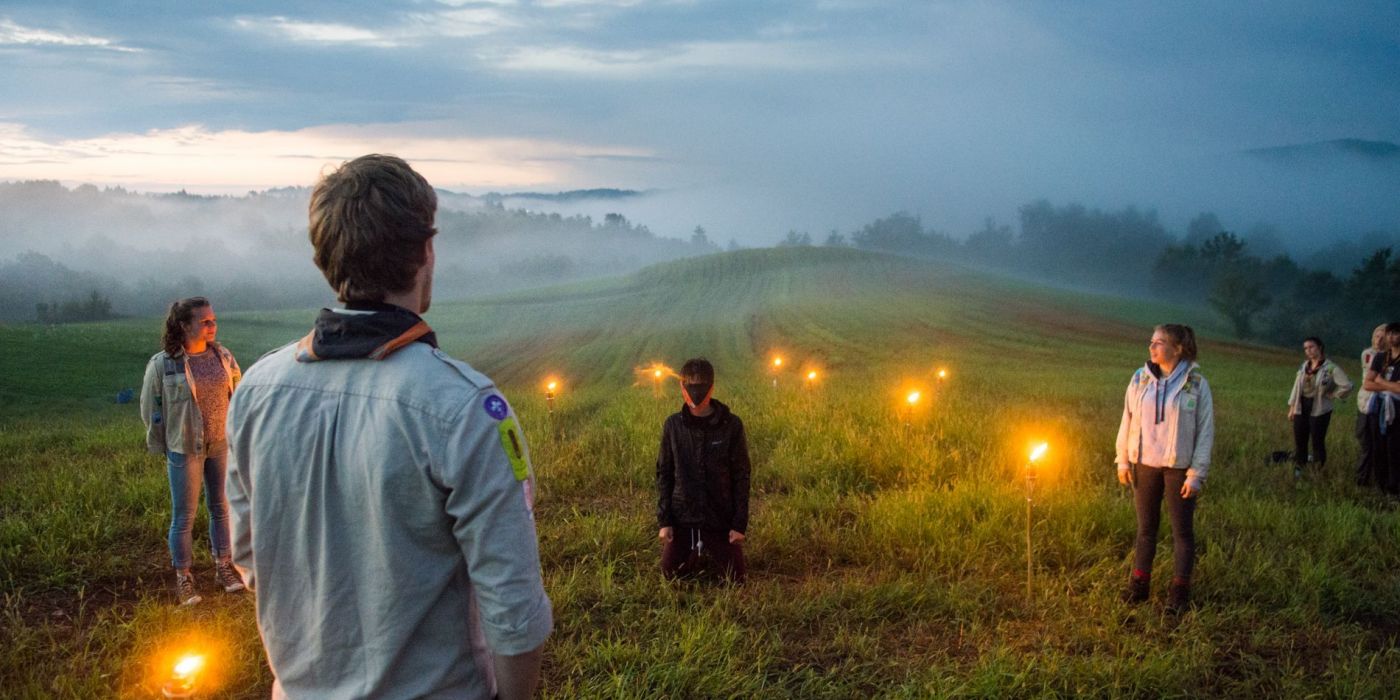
{"x": 1136, "y": 590}
{"x": 184, "y": 587}
{"x": 227, "y": 576}
{"x": 1178, "y": 596}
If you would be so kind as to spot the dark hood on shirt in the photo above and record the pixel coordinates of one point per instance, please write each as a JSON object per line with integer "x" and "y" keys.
{"x": 355, "y": 336}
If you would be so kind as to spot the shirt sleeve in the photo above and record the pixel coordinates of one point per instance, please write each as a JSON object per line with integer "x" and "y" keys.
{"x": 153, "y": 407}
{"x": 665, "y": 478}
{"x": 1205, "y": 436}
{"x": 1124, "y": 424}
{"x": 237, "y": 486}
{"x": 484, "y": 465}
{"x": 1342, "y": 383}
{"x": 740, "y": 470}
{"x": 235, "y": 374}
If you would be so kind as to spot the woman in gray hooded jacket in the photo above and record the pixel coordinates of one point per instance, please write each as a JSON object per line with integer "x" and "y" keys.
{"x": 1163, "y": 452}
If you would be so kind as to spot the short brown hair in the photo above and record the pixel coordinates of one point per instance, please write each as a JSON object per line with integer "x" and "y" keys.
{"x": 368, "y": 222}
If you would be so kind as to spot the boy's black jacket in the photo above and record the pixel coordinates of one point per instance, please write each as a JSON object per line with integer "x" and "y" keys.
{"x": 702, "y": 473}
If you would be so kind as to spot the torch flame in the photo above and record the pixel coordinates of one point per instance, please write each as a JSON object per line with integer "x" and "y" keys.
{"x": 552, "y": 386}
{"x": 657, "y": 374}
{"x": 913, "y": 398}
{"x": 1039, "y": 452}
{"x": 942, "y": 374}
{"x": 777, "y": 362}
{"x": 811, "y": 376}
{"x": 188, "y": 665}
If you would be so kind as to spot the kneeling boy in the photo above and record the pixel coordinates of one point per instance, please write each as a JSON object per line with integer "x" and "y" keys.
{"x": 702, "y": 480}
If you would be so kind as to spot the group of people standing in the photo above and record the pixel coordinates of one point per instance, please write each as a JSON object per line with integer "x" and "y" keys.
{"x": 1320, "y": 382}
{"x": 392, "y": 497}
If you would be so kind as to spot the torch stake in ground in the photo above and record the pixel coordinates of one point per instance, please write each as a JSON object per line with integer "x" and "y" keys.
{"x": 1036, "y": 454}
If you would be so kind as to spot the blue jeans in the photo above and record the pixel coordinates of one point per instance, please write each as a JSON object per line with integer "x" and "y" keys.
{"x": 185, "y": 482}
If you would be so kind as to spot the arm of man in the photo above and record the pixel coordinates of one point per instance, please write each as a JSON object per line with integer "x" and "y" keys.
{"x": 237, "y": 486}
{"x": 517, "y": 676}
{"x": 665, "y": 482}
{"x": 483, "y": 463}
{"x": 739, "y": 475}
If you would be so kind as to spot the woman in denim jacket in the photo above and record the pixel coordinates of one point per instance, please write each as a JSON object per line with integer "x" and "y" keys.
{"x": 184, "y": 404}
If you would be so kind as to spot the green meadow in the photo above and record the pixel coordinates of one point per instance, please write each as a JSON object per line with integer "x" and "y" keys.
{"x": 887, "y": 544}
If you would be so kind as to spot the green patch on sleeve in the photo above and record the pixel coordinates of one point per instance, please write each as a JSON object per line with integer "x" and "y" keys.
{"x": 514, "y": 447}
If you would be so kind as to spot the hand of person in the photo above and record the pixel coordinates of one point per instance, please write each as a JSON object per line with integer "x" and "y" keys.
{"x": 1123, "y": 476}
{"x": 1189, "y": 489}
{"x": 665, "y": 534}
{"x": 735, "y": 537}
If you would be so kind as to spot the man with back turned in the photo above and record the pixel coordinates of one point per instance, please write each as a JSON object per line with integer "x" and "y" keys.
{"x": 380, "y": 490}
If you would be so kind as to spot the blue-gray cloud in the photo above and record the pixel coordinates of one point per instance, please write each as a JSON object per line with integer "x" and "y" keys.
{"x": 807, "y": 114}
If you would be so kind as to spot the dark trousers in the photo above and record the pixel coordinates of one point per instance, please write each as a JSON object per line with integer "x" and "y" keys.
{"x": 1385, "y": 452}
{"x": 693, "y": 551}
{"x": 1305, "y": 427}
{"x": 1153, "y": 485}
{"x": 1364, "y": 471}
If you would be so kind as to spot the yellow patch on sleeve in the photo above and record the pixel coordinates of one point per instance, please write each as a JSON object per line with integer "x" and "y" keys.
{"x": 514, "y": 448}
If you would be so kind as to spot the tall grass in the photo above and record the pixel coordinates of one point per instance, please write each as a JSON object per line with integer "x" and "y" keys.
{"x": 886, "y": 548}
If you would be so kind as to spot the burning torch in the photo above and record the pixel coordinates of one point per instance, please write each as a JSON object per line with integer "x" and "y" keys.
{"x": 777, "y": 367}
{"x": 183, "y": 677}
{"x": 549, "y": 390}
{"x": 1036, "y": 453}
{"x": 910, "y": 402}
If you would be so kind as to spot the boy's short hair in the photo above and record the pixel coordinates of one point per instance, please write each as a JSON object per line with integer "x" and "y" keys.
{"x": 368, "y": 222}
{"x": 700, "y": 368}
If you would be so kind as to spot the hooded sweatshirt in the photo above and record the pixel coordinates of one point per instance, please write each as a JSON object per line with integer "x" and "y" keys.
{"x": 1168, "y": 420}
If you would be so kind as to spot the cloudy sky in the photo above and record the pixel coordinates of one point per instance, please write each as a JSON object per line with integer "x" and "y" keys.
{"x": 749, "y": 117}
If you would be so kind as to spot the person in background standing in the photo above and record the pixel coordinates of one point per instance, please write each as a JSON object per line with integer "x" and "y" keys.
{"x": 1383, "y": 380}
{"x": 184, "y": 401}
{"x": 1319, "y": 382}
{"x": 1364, "y": 469}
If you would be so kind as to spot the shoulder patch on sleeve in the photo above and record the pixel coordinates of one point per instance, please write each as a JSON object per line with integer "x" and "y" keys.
{"x": 495, "y": 406}
{"x": 514, "y": 447}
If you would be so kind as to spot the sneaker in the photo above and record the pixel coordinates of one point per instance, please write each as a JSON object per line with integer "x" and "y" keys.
{"x": 1136, "y": 590}
{"x": 227, "y": 576}
{"x": 1178, "y": 596}
{"x": 184, "y": 586}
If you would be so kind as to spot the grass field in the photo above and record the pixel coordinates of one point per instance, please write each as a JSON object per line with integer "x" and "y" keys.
{"x": 885, "y": 559}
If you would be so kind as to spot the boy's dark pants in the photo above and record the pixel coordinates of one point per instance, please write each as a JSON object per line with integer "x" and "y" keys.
{"x": 682, "y": 555}
{"x": 1155, "y": 484}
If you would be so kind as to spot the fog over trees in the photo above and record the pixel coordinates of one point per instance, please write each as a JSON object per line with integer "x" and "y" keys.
{"x": 1342, "y": 291}
{"x": 138, "y": 252}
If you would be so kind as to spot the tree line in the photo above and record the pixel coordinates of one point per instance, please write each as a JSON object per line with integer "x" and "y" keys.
{"x": 1268, "y": 297}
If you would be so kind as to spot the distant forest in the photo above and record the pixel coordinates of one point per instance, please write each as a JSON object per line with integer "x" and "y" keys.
{"x": 1341, "y": 292}
{"x": 88, "y": 254}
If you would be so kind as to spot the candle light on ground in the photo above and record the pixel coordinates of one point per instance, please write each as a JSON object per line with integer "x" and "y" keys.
{"x": 183, "y": 677}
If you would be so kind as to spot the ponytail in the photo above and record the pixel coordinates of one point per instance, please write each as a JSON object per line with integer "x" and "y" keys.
{"x": 181, "y": 312}
{"x": 1183, "y": 336}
